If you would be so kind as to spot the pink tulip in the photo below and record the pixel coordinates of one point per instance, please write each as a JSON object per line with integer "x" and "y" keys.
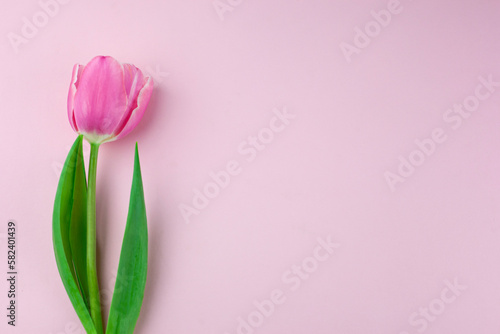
{"x": 107, "y": 99}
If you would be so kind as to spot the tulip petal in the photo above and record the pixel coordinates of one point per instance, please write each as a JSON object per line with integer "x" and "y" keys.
{"x": 139, "y": 107}
{"x": 130, "y": 72}
{"x": 134, "y": 82}
{"x": 77, "y": 71}
{"x": 101, "y": 97}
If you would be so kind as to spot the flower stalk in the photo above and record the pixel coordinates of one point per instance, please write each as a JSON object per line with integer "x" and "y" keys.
{"x": 106, "y": 101}
{"x": 95, "y": 303}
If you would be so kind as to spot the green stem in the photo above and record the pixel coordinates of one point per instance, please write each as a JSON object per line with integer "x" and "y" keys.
{"x": 95, "y": 303}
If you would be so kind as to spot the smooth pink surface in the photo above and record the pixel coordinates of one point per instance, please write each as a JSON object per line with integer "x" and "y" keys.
{"x": 293, "y": 141}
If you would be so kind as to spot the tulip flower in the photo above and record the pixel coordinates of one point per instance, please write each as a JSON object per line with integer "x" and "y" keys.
{"x": 106, "y": 101}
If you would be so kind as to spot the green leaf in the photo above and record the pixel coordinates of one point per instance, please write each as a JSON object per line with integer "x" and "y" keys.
{"x": 132, "y": 269}
{"x": 68, "y": 232}
{"x": 78, "y": 229}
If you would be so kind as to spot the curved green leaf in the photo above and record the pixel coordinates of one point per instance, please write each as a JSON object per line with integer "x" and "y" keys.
{"x": 132, "y": 269}
{"x": 68, "y": 232}
{"x": 78, "y": 228}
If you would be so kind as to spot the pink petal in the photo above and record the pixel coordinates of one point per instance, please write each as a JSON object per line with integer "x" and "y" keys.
{"x": 130, "y": 72}
{"x": 139, "y": 107}
{"x": 101, "y": 99}
{"x": 134, "y": 82}
{"x": 73, "y": 87}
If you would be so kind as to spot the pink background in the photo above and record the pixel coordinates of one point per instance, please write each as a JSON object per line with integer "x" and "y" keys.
{"x": 218, "y": 82}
